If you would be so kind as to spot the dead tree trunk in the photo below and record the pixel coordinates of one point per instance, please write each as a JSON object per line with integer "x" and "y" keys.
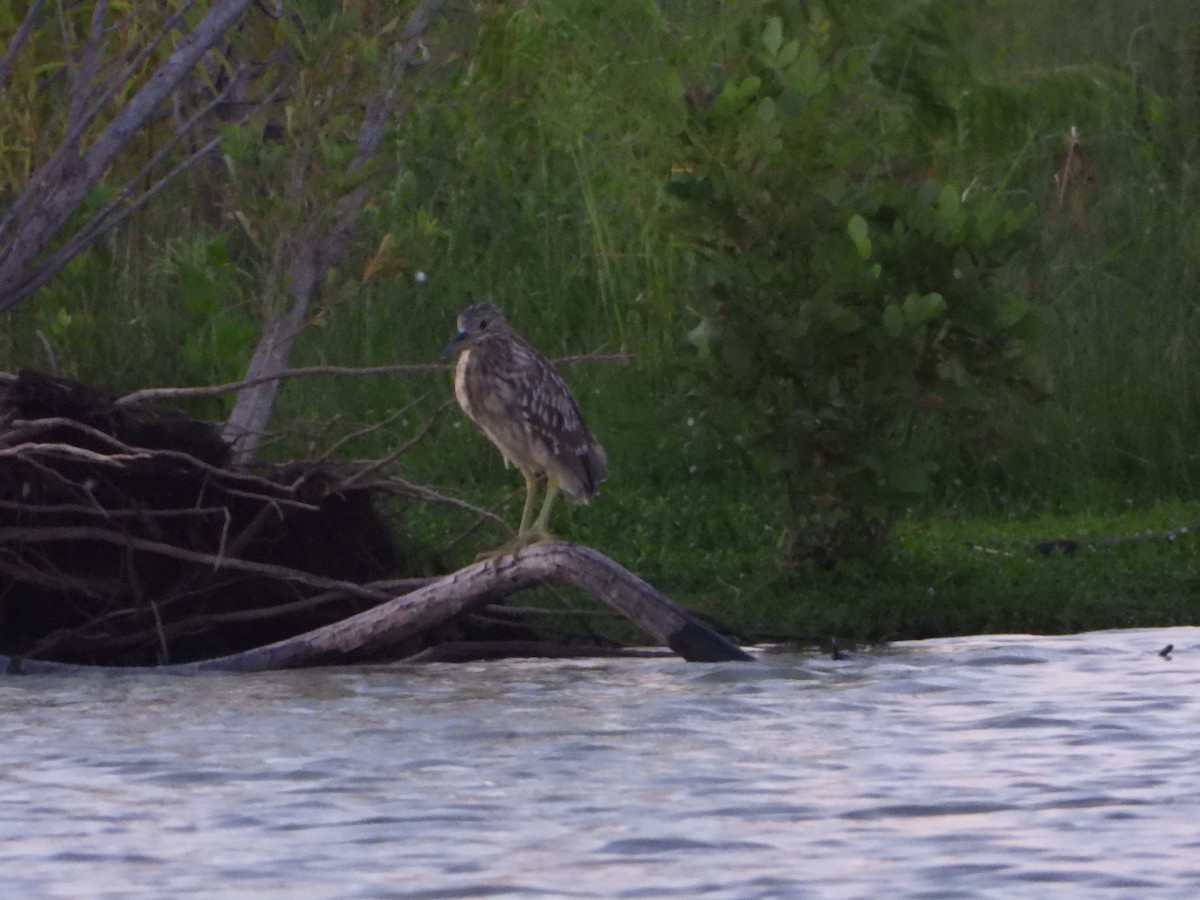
{"x": 44, "y": 209}
{"x": 376, "y": 631}
{"x": 323, "y": 247}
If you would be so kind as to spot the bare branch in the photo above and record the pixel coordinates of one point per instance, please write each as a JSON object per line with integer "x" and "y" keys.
{"x": 147, "y": 394}
{"x": 323, "y": 246}
{"x": 384, "y": 626}
{"x": 214, "y": 390}
{"x": 70, "y": 451}
{"x": 268, "y": 491}
{"x": 622, "y": 359}
{"x": 61, "y": 185}
{"x": 86, "y": 70}
{"x": 402, "y": 487}
{"x": 18, "y": 40}
{"x": 55, "y": 509}
{"x": 364, "y": 431}
{"x": 381, "y": 107}
{"x": 23, "y": 571}
{"x": 52, "y": 168}
{"x": 110, "y": 217}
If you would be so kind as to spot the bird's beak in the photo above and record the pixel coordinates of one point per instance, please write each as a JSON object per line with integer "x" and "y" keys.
{"x": 455, "y": 345}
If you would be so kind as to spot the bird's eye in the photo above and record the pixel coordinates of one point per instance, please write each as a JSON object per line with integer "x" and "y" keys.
{"x": 483, "y": 323}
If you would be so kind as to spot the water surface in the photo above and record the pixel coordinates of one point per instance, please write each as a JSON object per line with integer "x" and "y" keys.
{"x": 984, "y": 767}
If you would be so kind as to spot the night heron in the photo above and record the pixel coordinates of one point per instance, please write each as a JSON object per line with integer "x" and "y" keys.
{"x": 516, "y": 398}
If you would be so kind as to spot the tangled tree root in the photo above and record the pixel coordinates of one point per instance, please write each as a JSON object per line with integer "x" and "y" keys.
{"x": 127, "y": 540}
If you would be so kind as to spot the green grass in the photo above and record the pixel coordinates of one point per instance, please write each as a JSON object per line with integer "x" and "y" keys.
{"x": 982, "y": 575}
{"x": 942, "y": 575}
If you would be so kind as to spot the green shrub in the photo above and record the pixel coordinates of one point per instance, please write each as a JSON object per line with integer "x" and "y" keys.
{"x": 851, "y": 309}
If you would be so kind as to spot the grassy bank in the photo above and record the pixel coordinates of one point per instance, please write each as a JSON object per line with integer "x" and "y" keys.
{"x": 1050, "y": 573}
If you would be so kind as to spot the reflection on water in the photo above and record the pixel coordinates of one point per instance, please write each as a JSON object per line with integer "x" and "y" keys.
{"x": 992, "y": 766}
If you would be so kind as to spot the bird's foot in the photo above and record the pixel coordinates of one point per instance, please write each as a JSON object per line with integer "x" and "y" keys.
{"x": 515, "y": 544}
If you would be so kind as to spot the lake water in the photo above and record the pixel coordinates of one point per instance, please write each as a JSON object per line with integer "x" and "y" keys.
{"x": 1008, "y": 766}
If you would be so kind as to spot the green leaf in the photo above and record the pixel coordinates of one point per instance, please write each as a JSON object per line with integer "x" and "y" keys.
{"x": 1010, "y": 310}
{"x": 950, "y": 209}
{"x": 860, "y": 235}
{"x": 920, "y": 308}
{"x": 772, "y": 36}
{"x": 788, "y": 54}
{"x": 893, "y": 320}
{"x": 805, "y": 74}
{"x": 736, "y": 94}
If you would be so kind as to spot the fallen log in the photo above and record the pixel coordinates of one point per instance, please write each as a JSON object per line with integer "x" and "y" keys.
{"x": 377, "y": 631}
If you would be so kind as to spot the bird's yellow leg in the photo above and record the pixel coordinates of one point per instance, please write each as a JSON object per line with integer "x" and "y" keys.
{"x": 543, "y": 518}
{"x": 530, "y": 493}
{"x": 524, "y": 536}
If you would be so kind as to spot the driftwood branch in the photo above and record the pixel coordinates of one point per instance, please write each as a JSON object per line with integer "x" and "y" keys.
{"x": 378, "y": 630}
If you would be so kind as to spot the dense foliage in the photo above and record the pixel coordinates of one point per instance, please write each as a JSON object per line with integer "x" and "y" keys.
{"x": 847, "y": 300}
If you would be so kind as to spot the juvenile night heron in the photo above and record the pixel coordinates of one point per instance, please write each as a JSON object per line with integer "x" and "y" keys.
{"x": 516, "y": 398}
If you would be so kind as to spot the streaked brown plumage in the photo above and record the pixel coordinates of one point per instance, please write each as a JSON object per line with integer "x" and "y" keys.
{"x": 516, "y": 398}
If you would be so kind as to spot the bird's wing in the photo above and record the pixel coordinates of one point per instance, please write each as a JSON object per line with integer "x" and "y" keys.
{"x": 551, "y": 415}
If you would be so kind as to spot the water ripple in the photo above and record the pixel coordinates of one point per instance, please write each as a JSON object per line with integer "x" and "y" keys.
{"x": 990, "y": 766}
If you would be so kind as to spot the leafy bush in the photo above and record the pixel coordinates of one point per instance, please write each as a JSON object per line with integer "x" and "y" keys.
{"x": 850, "y": 306}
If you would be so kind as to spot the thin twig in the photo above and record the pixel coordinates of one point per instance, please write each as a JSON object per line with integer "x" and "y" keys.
{"x": 403, "y": 487}
{"x": 86, "y": 70}
{"x": 102, "y": 223}
{"x": 68, "y": 487}
{"x": 398, "y": 452}
{"x": 70, "y": 141}
{"x": 500, "y": 611}
{"x": 162, "y": 153}
{"x": 18, "y": 40}
{"x": 51, "y": 359}
{"x": 363, "y": 432}
{"x": 53, "y": 509}
{"x": 200, "y": 623}
{"x": 23, "y": 428}
{"x": 145, "y": 394}
{"x": 70, "y": 450}
{"x": 483, "y": 516}
{"x": 164, "y": 653}
{"x": 233, "y": 386}
{"x": 23, "y": 571}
